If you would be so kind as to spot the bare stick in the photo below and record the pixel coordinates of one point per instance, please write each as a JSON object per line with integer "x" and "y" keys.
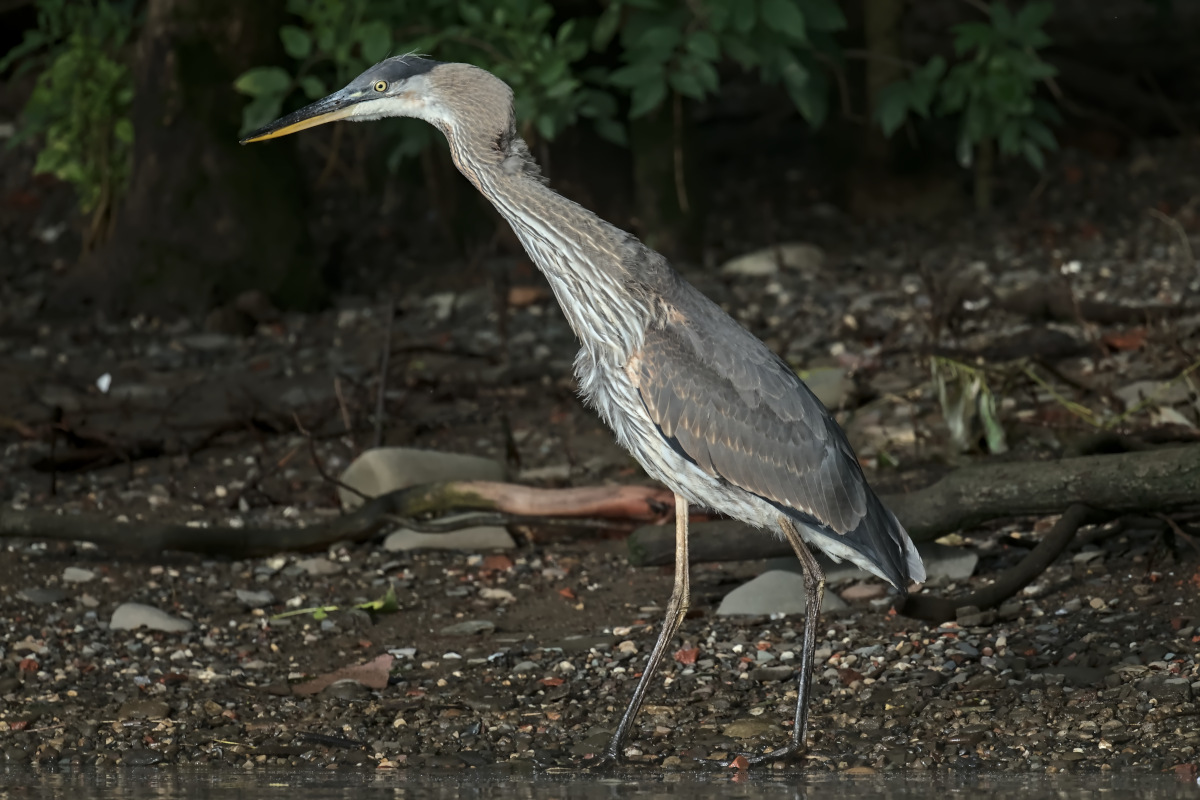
{"x": 940, "y": 609}
{"x": 384, "y": 357}
{"x": 1161, "y": 480}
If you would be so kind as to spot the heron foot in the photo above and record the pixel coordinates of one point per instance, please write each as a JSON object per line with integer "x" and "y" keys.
{"x": 608, "y": 762}
{"x": 795, "y": 748}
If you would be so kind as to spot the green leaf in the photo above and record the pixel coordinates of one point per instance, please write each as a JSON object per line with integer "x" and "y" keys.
{"x": 1032, "y": 17}
{"x": 471, "y": 14}
{"x": 646, "y": 97}
{"x": 745, "y": 15}
{"x": 261, "y": 110}
{"x": 375, "y": 39}
{"x": 972, "y": 36}
{"x": 1033, "y": 155}
{"x": 296, "y": 41}
{"x": 606, "y": 26}
{"x": 261, "y": 81}
{"x": 659, "y": 41}
{"x": 686, "y": 84}
{"x": 742, "y": 52}
{"x": 313, "y": 87}
{"x": 783, "y": 16}
{"x": 1040, "y": 134}
{"x": 637, "y": 74}
{"x": 704, "y": 45}
{"x": 1002, "y": 20}
{"x": 611, "y": 130}
{"x": 123, "y": 130}
{"x": 893, "y": 106}
{"x": 823, "y": 15}
{"x": 811, "y": 97}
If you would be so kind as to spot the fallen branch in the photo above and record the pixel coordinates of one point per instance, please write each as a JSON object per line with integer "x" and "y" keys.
{"x": 517, "y": 502}
{"x": 935, "y": 608}
{"x": 1157, "y": 480}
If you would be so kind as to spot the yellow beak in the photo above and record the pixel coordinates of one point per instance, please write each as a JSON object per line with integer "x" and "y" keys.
{"x": 336, "y": 106}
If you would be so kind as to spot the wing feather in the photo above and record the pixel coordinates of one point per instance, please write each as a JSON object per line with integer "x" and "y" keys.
{"x": 742, "y": 415}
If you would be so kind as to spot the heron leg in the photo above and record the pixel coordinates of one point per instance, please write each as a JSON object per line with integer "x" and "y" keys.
{"x": 814, "y": 592}
{"x": 676, "y": 610}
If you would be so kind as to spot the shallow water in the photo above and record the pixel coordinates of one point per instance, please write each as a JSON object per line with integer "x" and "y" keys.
{"x": 472, "y": 784}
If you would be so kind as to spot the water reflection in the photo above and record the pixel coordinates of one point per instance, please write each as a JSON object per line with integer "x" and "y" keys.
{"x": 472, "y": 784}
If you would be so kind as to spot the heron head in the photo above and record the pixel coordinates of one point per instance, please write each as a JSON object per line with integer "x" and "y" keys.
{"x": 403, "y": 86}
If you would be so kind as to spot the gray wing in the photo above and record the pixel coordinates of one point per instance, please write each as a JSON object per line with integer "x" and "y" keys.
{"x": 725, "y": 401}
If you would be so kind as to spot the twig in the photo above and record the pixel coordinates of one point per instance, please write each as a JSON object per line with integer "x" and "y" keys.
{"x": 384, "y": 357}
{"x": 681, "y": 195}
{"x": 1178, "y": 531}
{"x": 337, "y": 390}
{"x": 1180, "y": 232}
{"x": 935, "y": 608}
{"x": 312, "y": 451}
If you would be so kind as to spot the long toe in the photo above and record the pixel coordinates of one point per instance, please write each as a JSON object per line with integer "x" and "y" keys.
{"x": 793, "y": 749}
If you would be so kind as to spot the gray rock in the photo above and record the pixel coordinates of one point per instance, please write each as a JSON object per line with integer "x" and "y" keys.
{"x": 952, "y": 563}
{"x": 829, "y": 384}
{"x": 318, "y": 566}
{"x": 77, "y": 575}
{"x": 479, "y": 537}
{"x": 386, "y": 469}
{"x": 750, "y": 728}
{"x": 208, "y": 341}
{"x": 1168, "y": 691}
{"x": 525, "y": 668}
{"x": 42, "y": 596}
{"x": 469, "y": 628}
{"x": 130, "y": 616}
{"x": 771, "y": 674}
{"x": 799, "y": 256}
{"x": 144, "y": 709}
{"x": 773, "y": 592}
{"x": 253, "y": 599}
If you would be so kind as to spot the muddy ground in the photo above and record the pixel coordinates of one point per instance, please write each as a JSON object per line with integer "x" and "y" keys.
{"x": 1093, "y": 667}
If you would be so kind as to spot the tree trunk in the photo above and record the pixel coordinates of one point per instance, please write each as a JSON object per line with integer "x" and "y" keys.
{"x": 665, "y": 191}
{"x": 204, "y": 218}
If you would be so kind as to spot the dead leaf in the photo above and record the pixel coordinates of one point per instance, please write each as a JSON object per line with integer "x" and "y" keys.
{"x": 740, "y": 763}
{"x": 373, "y": 674}
{"x": 1128, "y": 340}
{"x": 567, "y": 592}
{"x": 521, "y": 296}
{"x": 687, "y": 655}
{"x": 497, "y": 562}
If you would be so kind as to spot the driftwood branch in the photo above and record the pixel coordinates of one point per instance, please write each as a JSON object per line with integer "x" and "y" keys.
{"x": 518, "y": 503}
{"x": 935, "y": 608}
{"x": 1158, "y": 480}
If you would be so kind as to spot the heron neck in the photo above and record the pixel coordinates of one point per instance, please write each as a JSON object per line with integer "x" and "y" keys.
{"x": 583, "y": 257}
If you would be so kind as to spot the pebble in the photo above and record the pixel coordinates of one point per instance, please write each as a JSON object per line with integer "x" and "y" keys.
{"x": 144, "y": 709}
{"x": 253, "y": 599}
{"x": 773, "y": 592}
{"x": 318, "y": 566}
{"x": 42, "y": 596}
{"x": 750, "y": 728}
{"x": 469, "y": 628}
{"x": 477, "y": 537}
{"x": 129, "y": 616}
{"x": 77, "y": 575}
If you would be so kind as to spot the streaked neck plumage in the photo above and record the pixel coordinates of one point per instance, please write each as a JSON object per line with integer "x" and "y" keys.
{"x": 584, "y": 258}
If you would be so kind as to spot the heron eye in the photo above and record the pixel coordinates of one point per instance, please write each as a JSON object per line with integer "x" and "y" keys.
{"x": 381, "y": 86}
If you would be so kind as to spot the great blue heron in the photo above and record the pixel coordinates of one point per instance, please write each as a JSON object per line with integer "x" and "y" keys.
{"x": 703, "y": 405}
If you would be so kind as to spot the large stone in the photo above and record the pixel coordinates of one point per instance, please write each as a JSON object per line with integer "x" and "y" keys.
{"x": 478, "y": 537}
{"x": 829, "y": 384}
{"x": 386, "y": 469}
{"x": 130, "y": 616}
{"x": 773, "y": 592}
{"x": 799, "y": 256}
{"x": 941, "y": 560}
